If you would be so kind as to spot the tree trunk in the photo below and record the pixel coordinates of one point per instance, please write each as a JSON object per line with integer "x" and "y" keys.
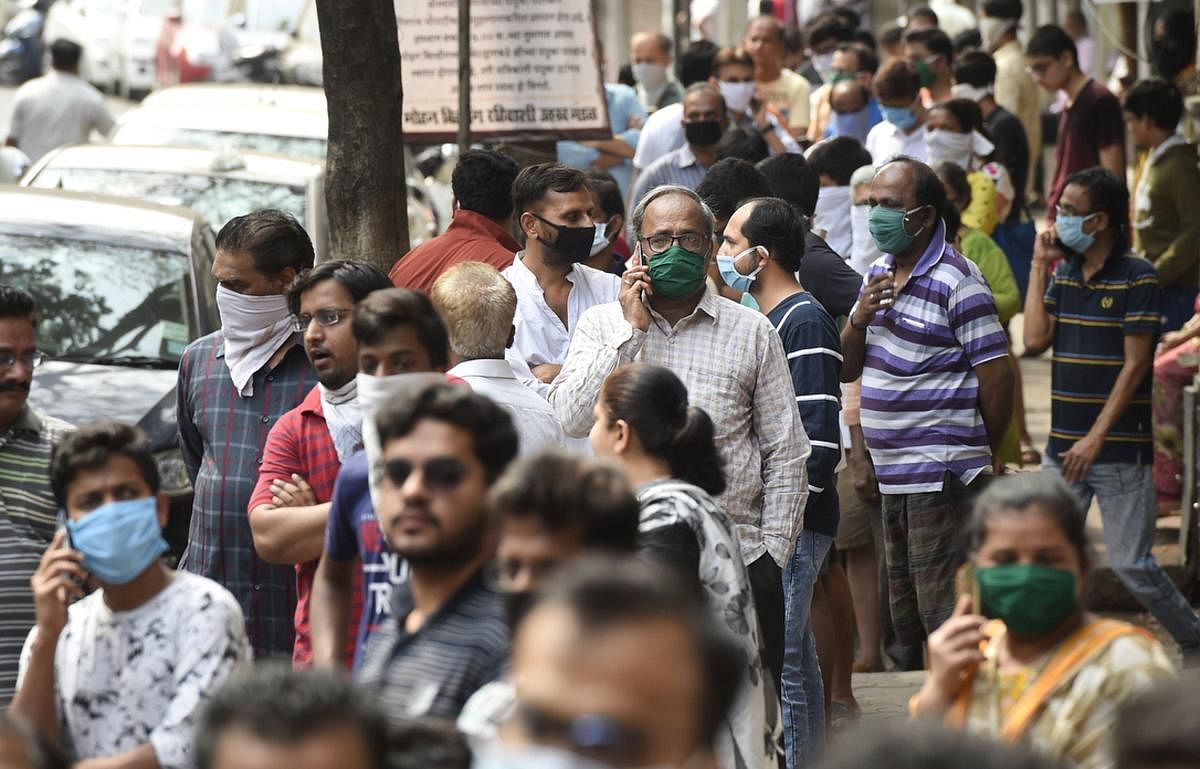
{"x": 365, "y": 191}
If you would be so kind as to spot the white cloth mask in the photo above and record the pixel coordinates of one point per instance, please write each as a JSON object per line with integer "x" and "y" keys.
{"x": 373, "y": 393}
{"x": 864, "y": 250}
{"x": 254, "y": 328}
{"x": 949, "y": 147}
{"x": 737, "y": 95}
{"x": 968, "y": 91}
{"x": 343, "y": 417}
{"x": 833, "y": 208}
{"x": 650, "y": 75}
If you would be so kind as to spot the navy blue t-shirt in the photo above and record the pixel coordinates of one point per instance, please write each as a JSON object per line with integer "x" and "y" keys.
{"x": 814, "y": 354}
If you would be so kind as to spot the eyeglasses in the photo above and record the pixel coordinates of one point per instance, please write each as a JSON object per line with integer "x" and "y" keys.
{"x": 440, "y": 475}
{"x": 1038, "y": 68}
{"x": 1060, "y": 211}
{"x": 326, "y": 317}
{"x": 29, "y": 360}
{"x": 692, "y": 241}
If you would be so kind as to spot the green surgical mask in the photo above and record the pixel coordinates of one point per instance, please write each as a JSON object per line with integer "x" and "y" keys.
{"x": 677, "y": 272}
{"x": 1030, "y": 599}
{"x": 888, "y": 230}
{"x": 924, "y": 72}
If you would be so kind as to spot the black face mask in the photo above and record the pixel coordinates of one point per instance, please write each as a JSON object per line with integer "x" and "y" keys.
{"x": 516, "y": 606}
{"x": 573, "y": 244}
{"x": 703, "y": 133}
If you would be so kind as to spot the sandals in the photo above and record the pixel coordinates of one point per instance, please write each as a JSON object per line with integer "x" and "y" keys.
{"x": 1030, "y": 455}
{"x": 842, "y": 716}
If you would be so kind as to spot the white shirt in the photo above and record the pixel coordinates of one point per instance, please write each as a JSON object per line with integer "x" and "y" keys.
{"x": 54, "y": 110}
{"x": 127, "y": 678}
{"x": 541, "y": 336}
{"x": 885, "y": 141}
{"x": 663, "y": 133}
{"x": 537, "y": 426}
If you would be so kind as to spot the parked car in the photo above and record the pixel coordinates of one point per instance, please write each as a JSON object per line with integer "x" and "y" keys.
{"x": 204, "y": 40}
{"x": 216, "y": 185}
{"x": 282, "y": 120}
{"x": 301, "y": 62}
{"x": 123, "y": 286}
{"x": 21, "y": 47}
{"x": 95, "y": 25}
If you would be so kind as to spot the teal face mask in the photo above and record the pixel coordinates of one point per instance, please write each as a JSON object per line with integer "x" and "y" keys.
{"x": 888, "y": 230}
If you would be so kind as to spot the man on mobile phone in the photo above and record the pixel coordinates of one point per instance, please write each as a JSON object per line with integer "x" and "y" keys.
{"x": 27, "y": 505}
{"x": 121, "y": 674}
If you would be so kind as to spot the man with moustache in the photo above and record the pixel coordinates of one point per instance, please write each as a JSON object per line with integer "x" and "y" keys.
{"x": 442, "y": 451}
{"x": 27, "y": 506}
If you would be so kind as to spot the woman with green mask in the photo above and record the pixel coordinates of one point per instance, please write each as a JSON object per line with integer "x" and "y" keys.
{"x": 1041, "y": 670}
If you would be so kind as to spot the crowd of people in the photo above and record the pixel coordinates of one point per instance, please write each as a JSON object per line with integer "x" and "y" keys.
{"x": 638, "y": 461}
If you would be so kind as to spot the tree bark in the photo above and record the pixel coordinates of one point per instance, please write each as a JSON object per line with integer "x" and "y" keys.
{"x": 365, "y": 191}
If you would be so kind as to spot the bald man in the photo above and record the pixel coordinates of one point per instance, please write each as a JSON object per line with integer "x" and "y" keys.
{"x": 650, "y": 53}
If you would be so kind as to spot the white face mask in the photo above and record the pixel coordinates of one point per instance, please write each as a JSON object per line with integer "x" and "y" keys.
{"x": 968, "y": 91}
{"x": 823, "y": 64}
{"x": 948, "y": 147}
{"x": 864, "y": 251}
{"x": 600, "y": 241}
{"x": 833, "y": 206}
{"x": 651, "y": 75}
{"x": 254, "y": 328}
{"x": 373, "y": 393}
{"x": 737, "y": 95}
{"x": 991, "y": 30}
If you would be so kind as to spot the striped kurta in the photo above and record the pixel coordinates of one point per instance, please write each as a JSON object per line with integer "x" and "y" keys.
{"x": 27, "y": 522}
{"x": 920, "y": 394}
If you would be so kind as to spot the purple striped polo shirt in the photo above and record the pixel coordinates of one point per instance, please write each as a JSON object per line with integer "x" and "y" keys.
{"x": 920, "y": 395}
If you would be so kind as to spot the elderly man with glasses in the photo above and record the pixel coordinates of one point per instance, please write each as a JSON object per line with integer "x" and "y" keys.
{"x": 734, "y": 367}
{"x": 27, "y": 504}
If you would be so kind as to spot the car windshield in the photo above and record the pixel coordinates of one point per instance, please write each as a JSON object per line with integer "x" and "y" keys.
{"x": 291, "y": 146}
{"x": 217, "y": 198}
{"x": 103, "y": 302}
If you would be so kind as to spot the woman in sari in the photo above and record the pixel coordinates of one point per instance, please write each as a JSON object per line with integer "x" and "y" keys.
{"x": 1041, "y": 670}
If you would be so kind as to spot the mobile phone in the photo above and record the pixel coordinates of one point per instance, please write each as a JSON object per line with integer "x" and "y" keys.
{"x": 965, "y": 582}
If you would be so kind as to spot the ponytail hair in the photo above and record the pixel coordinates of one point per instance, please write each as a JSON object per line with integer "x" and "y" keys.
{"x": 654, "y": 403}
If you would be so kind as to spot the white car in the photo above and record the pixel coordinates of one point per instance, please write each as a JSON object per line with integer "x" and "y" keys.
{"x": 118, "y": 39}
{"x": 95, "y": 25}
{"x": 216, "y": 185}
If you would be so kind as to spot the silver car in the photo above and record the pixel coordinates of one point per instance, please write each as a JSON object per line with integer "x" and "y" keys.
{"x": 217, "y": 185}
{"x": 283, "y": 120}
{"x": 124, "y": 287}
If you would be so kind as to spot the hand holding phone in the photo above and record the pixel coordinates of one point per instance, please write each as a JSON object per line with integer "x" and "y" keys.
{"x": 56, "y": 583}
{"x": 635, "y": 292}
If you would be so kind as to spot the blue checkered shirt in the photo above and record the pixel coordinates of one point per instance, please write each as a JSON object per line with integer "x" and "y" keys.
{"x": 222, "y": 436}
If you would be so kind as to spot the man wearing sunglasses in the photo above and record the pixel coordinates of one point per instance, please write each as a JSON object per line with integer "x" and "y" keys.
{"x": 442, "y": 450}
{"x": 27, "y": 504}
{"x": 618, "y": 665}
{"x": 403, "y": 344}
{"x": 307, "y": 446}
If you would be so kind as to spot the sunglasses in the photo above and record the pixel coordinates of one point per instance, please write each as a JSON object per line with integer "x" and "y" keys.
{"x": 440, "y": 475}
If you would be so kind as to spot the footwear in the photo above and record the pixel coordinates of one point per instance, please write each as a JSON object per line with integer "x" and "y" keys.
{"x": 1030, "y": 455}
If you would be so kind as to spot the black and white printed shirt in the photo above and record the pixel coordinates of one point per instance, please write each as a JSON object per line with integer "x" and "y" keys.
{"x": 128, "y": 678}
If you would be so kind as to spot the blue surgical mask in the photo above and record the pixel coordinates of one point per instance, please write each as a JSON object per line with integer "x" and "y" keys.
{"x": 1070, "y": 232}
{"x": 902, "y": 117}
{"x": 729, "y": 272}
{"x": 119, "y": 540}
{"x": 852, "y": 124}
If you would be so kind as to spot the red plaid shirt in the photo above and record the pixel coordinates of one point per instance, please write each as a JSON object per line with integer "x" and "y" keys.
{"x": 300, "y": 443}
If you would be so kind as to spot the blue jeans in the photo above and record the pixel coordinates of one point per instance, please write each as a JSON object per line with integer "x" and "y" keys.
{"x": 1128, "y": 511}
{"x": 803, "y": 694}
